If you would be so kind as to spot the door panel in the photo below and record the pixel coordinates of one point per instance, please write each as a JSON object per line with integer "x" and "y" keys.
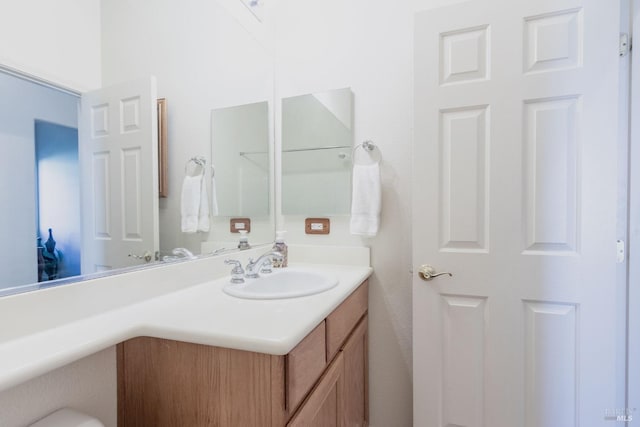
{"x": 463, "y": 356}
{"x": 464, "y": 199}
{"x": 515, "y": 194}
{"x": 551, "y": 181}
{"x": 550, "y": 348}
{"x": 119, "y": 164}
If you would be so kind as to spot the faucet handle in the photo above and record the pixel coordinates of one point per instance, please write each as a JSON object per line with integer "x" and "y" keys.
{"x": 237, "y": 274}
{"x": 267, "y": 267}
{"x": 251, "y": 263}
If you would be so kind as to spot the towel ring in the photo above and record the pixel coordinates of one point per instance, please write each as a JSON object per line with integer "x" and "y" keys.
{"x": 198, "y": 161}
{"x": 367, "y": 146}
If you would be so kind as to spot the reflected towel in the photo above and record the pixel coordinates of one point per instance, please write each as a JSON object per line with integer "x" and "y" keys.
{"x": 203, "y": 212}
{"x": 366, "y": 200}
{"x": 194, "y": 204}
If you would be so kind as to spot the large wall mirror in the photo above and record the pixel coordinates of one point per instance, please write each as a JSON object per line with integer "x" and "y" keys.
{"x": 205, "y": 56}
{"x": 317, "y": 140}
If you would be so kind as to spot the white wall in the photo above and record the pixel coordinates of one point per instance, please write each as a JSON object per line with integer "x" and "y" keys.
{"x": 88, "y": 385}
{"x": 205, "y": 55}
{"x": 366, "y": 46}
{"x": 58, "y": 41}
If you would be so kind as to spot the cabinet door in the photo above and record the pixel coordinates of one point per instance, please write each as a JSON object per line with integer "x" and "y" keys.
{"x": 164, "y": 383}
{"x": 355, "y": 397}
{"x": 324, "y": 406}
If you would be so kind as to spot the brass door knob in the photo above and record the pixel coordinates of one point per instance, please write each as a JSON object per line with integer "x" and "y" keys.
{"x": 427, "y": 272}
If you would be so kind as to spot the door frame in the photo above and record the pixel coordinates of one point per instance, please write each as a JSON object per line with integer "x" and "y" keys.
{"x": 633, "y": 232}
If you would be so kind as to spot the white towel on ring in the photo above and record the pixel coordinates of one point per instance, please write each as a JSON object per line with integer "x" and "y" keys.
{"x": 203, "y": 212}
{"x": 194, "y": 204}
{"x": 366, "y": 200}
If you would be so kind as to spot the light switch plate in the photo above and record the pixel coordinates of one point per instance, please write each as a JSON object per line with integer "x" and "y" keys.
{"x": 238, "y": 224}
{"x": 317, "y": 226}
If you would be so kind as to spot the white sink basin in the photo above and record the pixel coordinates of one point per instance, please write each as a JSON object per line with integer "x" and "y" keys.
{"x": 282, "y": 283}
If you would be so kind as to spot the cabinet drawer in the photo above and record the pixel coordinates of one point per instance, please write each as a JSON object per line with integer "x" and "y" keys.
{"x": 344, "y": 318}
{"x": 305, "y": 363}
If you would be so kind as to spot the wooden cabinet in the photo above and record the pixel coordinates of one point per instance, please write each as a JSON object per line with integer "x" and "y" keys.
{"x": 356, "y": 377}
{"x": 171, "y": 383}
{"x": 340, "y": 397}
{"x": 324, "y": 407}
{"x": 322, "y": 381}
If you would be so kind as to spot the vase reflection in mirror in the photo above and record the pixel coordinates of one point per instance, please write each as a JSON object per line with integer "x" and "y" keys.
{"x": 48, "y": 259}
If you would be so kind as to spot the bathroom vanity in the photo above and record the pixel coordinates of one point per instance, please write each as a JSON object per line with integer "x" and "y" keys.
{"x": 189, "y": 354}
{"x": 322, "y": 381}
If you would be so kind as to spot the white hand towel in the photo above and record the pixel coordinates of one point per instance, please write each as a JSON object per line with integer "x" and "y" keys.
{"x": 194, "y": 205}
{"x": 190, "y": 203}
{"x": 366, "y": 200}
{"x": 203, "y": 211}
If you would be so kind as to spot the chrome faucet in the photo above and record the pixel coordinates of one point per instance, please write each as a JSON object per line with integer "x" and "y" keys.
{"x": 186, "y": 253}
{"x": 237, "y": 273}
{"x": 254, "y": 267}
{"x": 178, "y": 253}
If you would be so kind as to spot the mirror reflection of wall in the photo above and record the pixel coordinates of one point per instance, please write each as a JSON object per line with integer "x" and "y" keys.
{"x": 240, "y": 153}
{"x": 27, "y": 111}
{"x": 317, "y": 140}
{"x": 58, "y": 203}
{"x": 216, "y": 54}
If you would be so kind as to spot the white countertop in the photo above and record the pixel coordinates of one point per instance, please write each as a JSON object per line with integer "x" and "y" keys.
{"x": 199, "y": 312}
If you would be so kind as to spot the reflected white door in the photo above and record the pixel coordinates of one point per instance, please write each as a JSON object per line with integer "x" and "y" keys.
{"x": 515, "y": 194}
{"x": 119, "y": 169}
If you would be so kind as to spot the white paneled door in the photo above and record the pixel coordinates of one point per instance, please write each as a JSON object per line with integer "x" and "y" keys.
{"x": 119, "y": 167}
{"x": 515, "y": 195}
